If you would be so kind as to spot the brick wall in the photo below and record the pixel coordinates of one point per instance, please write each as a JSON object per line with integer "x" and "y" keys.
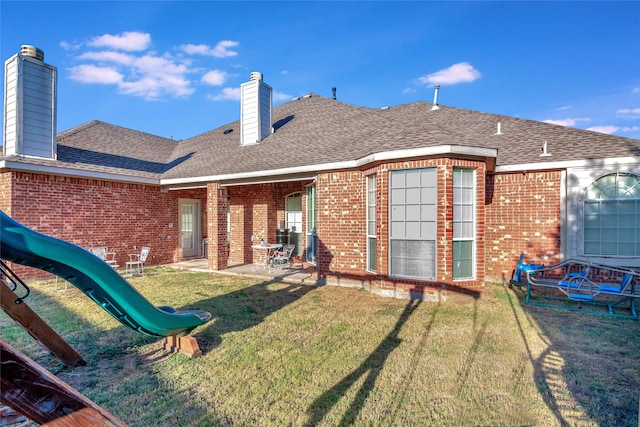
{"x": 522, "y": 215}
{"x": 256, "y": 210}
{"x": 342, "y": 233}
{"x": 90, "y": 213}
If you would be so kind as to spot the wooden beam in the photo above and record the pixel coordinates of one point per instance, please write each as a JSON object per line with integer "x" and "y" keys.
{"x": 37, "y": 328}
{"x": 187, "y": 345}
{"x": 37, "y": 394}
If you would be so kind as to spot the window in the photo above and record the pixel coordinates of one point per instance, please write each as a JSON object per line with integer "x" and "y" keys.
{"x": 612, "y": 216}
{"x": 463, "y": 223}
{"x": 293, "y": 216}
{"x": 371, "y": 223}
{"x": 311, "y": 247}
{"x": 412, "y": 228}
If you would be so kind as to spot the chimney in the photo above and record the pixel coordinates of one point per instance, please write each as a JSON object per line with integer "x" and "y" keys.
{"x": 255, "y": 110}
{"x": 29, "y": 105}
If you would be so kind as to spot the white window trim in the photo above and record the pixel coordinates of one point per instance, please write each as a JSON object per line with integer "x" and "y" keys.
{"x": 473, "y": 225}
{"x": 370, "y": 178}
{"x": 577, "y": 182}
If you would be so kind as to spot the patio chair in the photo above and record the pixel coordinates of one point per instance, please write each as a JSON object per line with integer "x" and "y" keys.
{"x": 136, "y": 261}
{"x": 574, "y": 280}
{"x": 103, "y": 253}
{"x": 282, "y": 257}
{"x": 625, "y": 283}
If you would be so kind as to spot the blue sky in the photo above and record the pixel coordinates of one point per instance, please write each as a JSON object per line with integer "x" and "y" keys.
{"x": 174, "y": 69}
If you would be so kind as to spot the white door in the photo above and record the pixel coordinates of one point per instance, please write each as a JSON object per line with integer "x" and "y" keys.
{"x": 189, "y": 228}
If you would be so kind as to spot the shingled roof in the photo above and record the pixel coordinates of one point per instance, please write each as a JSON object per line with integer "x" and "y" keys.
{"x": 314, "y": 130}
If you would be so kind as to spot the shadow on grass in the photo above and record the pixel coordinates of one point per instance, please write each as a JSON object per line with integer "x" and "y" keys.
{"x": 244, "y": 309}
{"x": 590, "y": 360}
{"x": 369, "y": 369}
{"x": 113, "y": 366}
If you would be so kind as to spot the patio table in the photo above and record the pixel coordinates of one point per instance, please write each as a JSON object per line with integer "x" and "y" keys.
{"x": 264, "y": 252}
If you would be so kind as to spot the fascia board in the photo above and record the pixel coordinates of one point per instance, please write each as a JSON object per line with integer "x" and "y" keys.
{"x": 566, "y": 164}
{"x": 80, "y": 173}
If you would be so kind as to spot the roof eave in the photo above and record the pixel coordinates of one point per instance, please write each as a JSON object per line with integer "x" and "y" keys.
{"x": 311, "y": 170}
{"x": 79, "y": 173}
{"x": 567, "y": 164}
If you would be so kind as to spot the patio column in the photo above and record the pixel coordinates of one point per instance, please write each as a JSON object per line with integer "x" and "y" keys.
{"x": 217, "y": 202}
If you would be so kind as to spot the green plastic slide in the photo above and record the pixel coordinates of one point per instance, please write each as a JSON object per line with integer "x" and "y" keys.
{"x": 94, "y": 277}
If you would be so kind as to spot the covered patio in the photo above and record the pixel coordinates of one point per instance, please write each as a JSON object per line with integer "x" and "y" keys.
{"x": 297, "y": 274}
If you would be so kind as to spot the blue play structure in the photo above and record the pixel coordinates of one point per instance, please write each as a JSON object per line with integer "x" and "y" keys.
{"x": 580, "y": 286}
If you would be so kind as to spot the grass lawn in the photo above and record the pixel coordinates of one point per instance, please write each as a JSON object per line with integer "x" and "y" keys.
{"x": 287, "y": 355}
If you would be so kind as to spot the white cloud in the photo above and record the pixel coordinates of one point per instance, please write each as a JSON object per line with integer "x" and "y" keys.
{"x": 227, "y": 94}
{"x": 462, "y": 72}
{"x": 93, "y": 74}
{"x": 221, "y": 50}
{"x": 636, "y": 90}
{"x": 629, "y": 111}
{"x": 233, "y": 94}
{"x": 69, "y": 46}
{"x": 279, "y": 96}
{"x": 604, "y": 129}
{"x": 564, "y": 107}
{"x": 146, "y": 76}
{"x": 108, "y": 56}
{"x": 567, "y": 121}
{"x": 129, "y": 41}
{"x": 121, "y": 60}
{"x": 614, "y": 129}
{"x": 214, "y": 78}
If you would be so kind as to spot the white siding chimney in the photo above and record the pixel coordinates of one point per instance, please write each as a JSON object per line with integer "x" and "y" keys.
{"x": 255, "y": 110}
{"x": 29, "y": 105}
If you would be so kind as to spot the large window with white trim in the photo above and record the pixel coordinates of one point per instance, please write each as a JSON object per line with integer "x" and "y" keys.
{"x": 371, "y": 223}
{"x": 612, "y": 216}
{"x": 463, "y": 223}
{"x": 412, "y": 228}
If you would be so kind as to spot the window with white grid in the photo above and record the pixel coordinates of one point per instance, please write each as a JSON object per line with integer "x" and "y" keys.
{"x": 412, "y": 223}
{"x": 612, "y": 216}
{"x": 463, "y": 223}
{"x": 371, "y": 223}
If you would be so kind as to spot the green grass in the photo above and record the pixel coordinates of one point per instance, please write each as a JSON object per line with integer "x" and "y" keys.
{"x": 280, "y": 354}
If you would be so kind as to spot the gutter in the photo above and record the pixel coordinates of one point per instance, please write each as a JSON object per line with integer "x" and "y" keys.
{"x": 567, "y": 164}
{"x": 79, "y": 173}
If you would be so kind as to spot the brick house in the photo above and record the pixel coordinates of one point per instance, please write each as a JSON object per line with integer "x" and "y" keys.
{"x": 415, "y": 199}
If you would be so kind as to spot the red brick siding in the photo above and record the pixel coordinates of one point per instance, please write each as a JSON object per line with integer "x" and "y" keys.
{"x": 5, "y": 192}
{"x": 256, "y": 210}
{"x": 342, "y": 228}
{"x": 523, "y": 215}
{"x": 89, "y": 212}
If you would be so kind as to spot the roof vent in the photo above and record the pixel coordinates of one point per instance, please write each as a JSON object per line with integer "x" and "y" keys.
{"x": 499, "y": 130}
{"x": 32, "y": 52}
{"x": 435, "y": 98}
{"x": 545, "y": 153}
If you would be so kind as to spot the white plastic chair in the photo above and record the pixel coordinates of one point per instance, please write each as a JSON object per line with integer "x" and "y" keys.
{"x": 136, "y": 261}
{"x": 282, "y": 257}
{"x": 108, "y": 257}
